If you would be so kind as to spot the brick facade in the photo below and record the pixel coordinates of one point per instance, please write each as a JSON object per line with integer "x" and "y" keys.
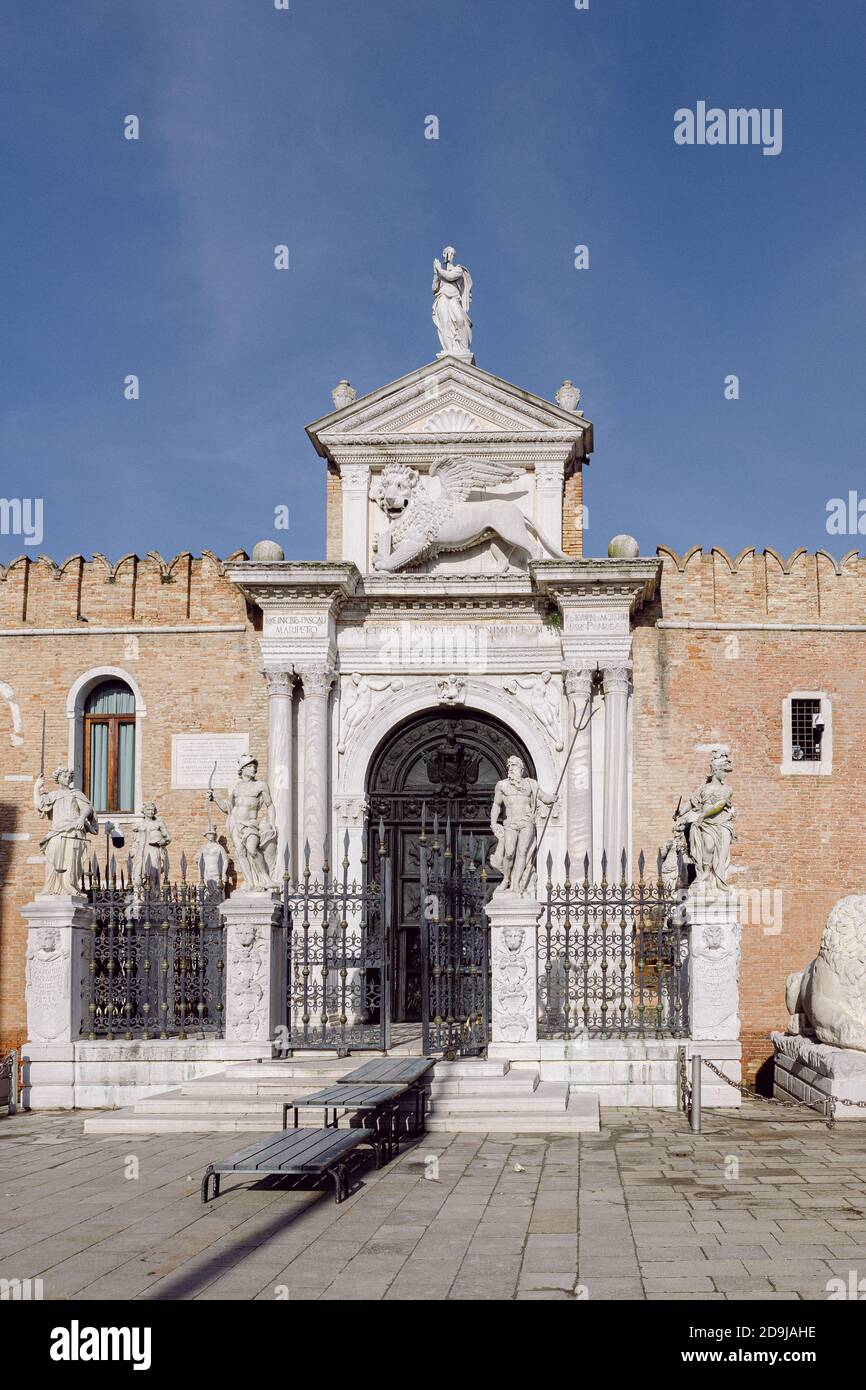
{"x": 714, "y": 656}
{"x": 572, "y": 512}
{"x": 59, "y": 623}
{"x": 727, "y": 641}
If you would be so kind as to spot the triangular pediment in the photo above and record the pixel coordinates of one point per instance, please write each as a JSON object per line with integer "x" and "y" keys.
{"x": 447, "y": 401}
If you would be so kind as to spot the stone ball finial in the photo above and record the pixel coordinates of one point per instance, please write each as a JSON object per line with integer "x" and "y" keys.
{"x": 623, "y": 548}
{"x": 568, "y": 395}
{"x": 343, "y": 394}
{"x": 268, "y": 550}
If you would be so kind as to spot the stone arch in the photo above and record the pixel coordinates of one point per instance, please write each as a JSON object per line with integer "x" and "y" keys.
{"x": 397, "y": 707}
{"x": 75, "y": 702}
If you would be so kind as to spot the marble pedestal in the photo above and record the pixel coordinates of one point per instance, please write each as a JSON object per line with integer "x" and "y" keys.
{"x": 255, "y": 967}
{"x": 812, "y": 1071}
{"x": 59, "y": 939}
{"x": 514, "y": 976}
{"x": 714, "y": 988}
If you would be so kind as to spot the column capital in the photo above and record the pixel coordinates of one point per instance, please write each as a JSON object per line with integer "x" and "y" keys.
{"x": 579, "y": 681}
{"x": 615, "y": 680}
{"x": 278, "y": 682}
{"x": 317, "y": 678}
{"x": 355, "y": 476}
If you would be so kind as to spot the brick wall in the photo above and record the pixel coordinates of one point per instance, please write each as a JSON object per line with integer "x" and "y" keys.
{"x": 334, "y": 515}
{"x": 572, "y": 505}
{"x": 190, "y": 682}
{"x": 702, "y": 685}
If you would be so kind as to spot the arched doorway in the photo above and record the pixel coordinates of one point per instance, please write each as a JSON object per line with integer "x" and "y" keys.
{"x": 449, "y": 760}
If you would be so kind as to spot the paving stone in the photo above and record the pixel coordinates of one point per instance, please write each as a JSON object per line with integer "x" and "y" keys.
{"x": 645, "y": 1223}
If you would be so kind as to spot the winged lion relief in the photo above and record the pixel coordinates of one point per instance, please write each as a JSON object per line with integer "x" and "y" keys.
{"x": 422, "y": 526}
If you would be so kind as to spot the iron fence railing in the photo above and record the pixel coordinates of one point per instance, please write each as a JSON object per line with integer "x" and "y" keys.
{"x": 612, "y": 956}
{"x": 155, "y": 958}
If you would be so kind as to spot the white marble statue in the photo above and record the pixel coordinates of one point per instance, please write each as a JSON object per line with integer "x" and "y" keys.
{"x": 65, "y": 846}
{"x": 452, "y": 290}
{"x": 357, "y": 703}
{"x": 514, "y": 854}
{"x": 543, "y": 701}
{"x": 828, "y": 998}
{"x": 150, "y": 842}
{"x": 422, "y": 526}
{"x": 212, "y": 862}
{"x": 705, "y": 829}
{"x": 253, "y": 835}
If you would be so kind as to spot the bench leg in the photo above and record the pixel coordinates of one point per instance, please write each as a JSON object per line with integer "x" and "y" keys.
{"x": 208, "y": 1174}
{"x": 337, "y": 1174}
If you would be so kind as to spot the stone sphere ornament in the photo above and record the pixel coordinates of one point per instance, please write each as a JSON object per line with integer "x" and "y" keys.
{"x": 623, "y": 548}
{"x": 268, "y": 550}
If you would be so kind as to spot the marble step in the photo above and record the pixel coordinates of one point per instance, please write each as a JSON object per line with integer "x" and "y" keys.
{"x": 580, "y": 1117}
{"x": 547, "y": 1098}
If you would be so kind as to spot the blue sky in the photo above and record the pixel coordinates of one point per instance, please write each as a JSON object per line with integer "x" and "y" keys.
{"x": 306, "y": 127}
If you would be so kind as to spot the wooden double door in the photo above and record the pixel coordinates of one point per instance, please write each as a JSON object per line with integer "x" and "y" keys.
{"x": 445, "y": 763}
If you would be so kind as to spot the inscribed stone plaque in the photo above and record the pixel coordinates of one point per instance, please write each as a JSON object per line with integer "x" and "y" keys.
{"x": 193, "y": 757}
{"x": 296, "y": 626}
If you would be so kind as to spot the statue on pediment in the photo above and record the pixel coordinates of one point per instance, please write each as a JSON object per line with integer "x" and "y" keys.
{"x": 452, "y": 288}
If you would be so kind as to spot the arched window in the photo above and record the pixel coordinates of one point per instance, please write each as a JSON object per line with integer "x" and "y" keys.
{"x": 109, "y": 746}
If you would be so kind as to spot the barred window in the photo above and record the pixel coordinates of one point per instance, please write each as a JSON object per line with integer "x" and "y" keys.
{"x": 807, "y": 734}
{"x": 806, "y": 730}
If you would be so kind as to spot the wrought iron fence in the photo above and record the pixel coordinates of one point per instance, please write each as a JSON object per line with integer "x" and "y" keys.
{"x": 612, "y": 957}
{"x": 156, "y": 956}
{"x": 338, "y": 953}
{"x": 455, "y": 943}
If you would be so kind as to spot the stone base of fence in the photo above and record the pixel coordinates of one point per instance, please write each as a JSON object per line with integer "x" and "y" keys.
{"x": 107, "y": 1073}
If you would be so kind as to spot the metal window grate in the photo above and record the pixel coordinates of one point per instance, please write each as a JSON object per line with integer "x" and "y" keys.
{"x": 806, "y": 730}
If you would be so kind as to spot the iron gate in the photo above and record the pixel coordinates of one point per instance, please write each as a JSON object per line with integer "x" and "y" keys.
{"x": 338, "y": 955}
{"x": 455, "y": 952}
{"x": 612, "y": 957}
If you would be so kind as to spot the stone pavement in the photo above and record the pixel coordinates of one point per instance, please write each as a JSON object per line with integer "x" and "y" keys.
{"x": 757, "y": 1207}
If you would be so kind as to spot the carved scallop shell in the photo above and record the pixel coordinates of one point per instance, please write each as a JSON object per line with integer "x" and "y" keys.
{"x": 451, "y": 419}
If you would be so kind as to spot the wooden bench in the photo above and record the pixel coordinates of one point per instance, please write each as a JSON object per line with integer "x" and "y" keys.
{"x": 397, "y": 1071}
{"x": 376, "y": 1103}
{"x": 320, "y": 1153}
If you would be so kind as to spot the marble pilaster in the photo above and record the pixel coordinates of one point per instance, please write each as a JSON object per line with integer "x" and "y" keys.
{"x": 579, "y": 687}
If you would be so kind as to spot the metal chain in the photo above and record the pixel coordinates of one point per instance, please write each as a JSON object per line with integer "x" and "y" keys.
{"x": 830, "y": 1103}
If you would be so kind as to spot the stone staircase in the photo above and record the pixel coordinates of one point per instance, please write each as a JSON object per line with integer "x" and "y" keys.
{"x": 466, "y": 1096}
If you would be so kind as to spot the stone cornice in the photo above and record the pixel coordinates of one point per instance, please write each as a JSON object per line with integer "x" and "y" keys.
{"x": 268, "y": 583}
{"x": 581, "y": 583}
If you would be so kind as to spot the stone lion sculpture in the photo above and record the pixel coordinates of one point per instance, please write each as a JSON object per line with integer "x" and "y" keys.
{"x": 421, "y": 526}
{"x": 829, "y": 996}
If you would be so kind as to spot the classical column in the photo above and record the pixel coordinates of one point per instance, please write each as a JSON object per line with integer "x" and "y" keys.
{"x": 578, "y": 686}
{"x": 280, "y": 687}
{"x": 317, "y": 680}
{"x": 615, "y": 840}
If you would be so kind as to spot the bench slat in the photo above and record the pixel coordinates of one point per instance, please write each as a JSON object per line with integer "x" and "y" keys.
{"x": 393, "y": 1069}
{"x": 297, "y": 1151}
{"x": 350, "y": 1094}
